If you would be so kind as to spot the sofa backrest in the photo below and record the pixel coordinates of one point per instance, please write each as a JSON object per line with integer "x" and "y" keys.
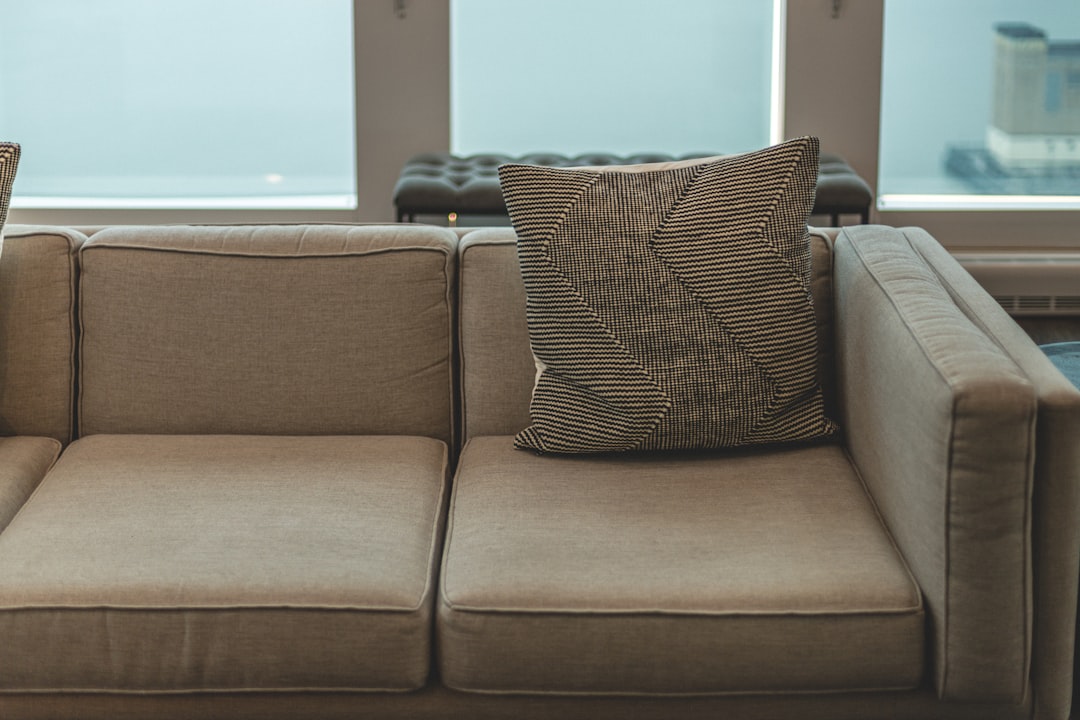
{"x": 282, "y": 330}
{"x": 497, "y": 368}
{"x": 37, "y": 331}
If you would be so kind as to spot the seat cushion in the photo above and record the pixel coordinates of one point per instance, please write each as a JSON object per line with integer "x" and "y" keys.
{"x": 157, "y": 563}
{"x": 757, "y": 570}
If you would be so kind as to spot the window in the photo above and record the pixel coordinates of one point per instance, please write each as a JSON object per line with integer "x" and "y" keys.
{"x": 980, "y": 105}
{"x": 622, "y": 76}
{"x": 180, "y": 103}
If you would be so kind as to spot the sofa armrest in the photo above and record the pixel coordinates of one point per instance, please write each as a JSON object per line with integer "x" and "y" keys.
{"x": 940, "y": 423}
{"x": 1056, "y": 490}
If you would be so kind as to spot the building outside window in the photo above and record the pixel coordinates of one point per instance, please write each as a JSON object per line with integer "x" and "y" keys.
{"x": 1035, "y": 122}
{"x": 980, "y": 105}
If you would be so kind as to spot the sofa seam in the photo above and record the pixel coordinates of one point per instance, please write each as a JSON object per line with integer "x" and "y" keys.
{"x": 690, "y": 694}
{"x": 387, "y": 609}
{"x": 451, "y": 300}
{"x": 443, "y": 239}
{"x": 80, "y": 349}
{"x": 203, "y": 691}
{"x": 448, "y": 534}
{"x": 110, "y": 245}
{"x": 651, "y": 612}
{"x": 74, "y": 336}
{"x": 430, "y": 580}
{"x": 460, "y": 349}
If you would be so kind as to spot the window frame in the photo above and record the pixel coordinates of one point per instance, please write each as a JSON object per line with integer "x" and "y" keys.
{"x": 831, "y": 73}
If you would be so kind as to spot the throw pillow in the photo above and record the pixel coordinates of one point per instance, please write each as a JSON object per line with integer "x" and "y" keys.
{"x": 669, "y": 305}
{"x": 9, "y": 162}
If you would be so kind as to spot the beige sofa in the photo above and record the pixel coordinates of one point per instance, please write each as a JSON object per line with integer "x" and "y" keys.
{"x": 267, "y": 472}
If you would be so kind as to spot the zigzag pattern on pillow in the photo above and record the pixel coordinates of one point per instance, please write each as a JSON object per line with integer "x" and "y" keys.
{"x": 670, "y": 308}
{"x": 9, "y": 162}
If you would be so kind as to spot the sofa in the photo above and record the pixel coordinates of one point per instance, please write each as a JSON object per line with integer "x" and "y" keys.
{"x": 267, "y": 472}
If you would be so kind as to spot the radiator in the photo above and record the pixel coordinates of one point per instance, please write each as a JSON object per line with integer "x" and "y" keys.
{"x": 1028, "y": 284}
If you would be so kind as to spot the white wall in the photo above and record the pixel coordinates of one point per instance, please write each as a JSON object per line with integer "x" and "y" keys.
{"x": 832, "y": 76}
{"x": 403, "y": 90}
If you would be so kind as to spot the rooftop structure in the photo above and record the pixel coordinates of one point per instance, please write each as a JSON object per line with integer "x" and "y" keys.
{"x": 1036, "y": 108}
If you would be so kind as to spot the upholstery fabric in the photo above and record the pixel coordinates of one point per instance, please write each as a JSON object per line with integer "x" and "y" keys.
{"x": 669, "y": 306}
{"x": 1056, "y": 491}
{"x": 225, "y": 563}
{"x": 37, "y": 331}
{"x": 915, "y": 372}
{"x": 23, "y": 463}
{"x": 671, "y": 573}
{"x": 497, "y": 368}
{"x": 279, "y": 330}
{"x": 9, "y": 163}
{"x": 435, "y": 702}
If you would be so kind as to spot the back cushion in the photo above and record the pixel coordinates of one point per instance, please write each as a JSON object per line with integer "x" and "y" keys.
{"x": 37, "y": 331}
{"x": 497, "y": 367}
{"x": 285, "y": 330}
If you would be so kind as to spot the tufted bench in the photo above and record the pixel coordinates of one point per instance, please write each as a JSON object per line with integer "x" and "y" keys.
{"x": 441, "y": 183}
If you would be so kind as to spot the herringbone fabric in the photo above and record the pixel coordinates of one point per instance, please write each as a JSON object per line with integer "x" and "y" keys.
{"x": 670, "y": 308}
{"x": 9, "y": 162}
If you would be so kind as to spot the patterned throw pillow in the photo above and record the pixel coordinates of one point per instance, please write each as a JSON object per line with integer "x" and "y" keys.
{"x": 9, "y": 161}
{"x": 669, "y": 305}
